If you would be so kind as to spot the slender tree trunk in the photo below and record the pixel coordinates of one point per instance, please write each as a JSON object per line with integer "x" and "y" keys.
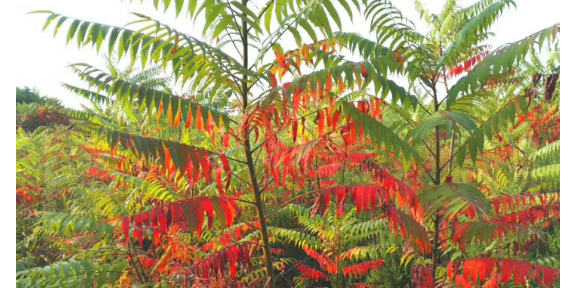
{"x": 250, "y": 163}
{"x": 451, "y": 151}
{"x": 437, "y": 182}
{"x": 435, "y": 247}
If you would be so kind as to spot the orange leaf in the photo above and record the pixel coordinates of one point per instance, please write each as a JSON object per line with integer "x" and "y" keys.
{"x": 281, "y": 59}
{"x": 170, "y": 116}
{"x": 199, "y": 119}
{"x": 160, "y": 109}
{"x": 178, "y": 117}
{"x": 328, "y": 85}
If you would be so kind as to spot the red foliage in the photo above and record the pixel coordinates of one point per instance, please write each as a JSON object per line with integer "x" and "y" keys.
{"x": 409, "y": 229}
{"x": 311, "y": 273}
{"x": 513, "y": 202}
{"x": 361, "y": 269}
{"x": 421, "y": 277}
{"x": 187, "y": 214}
{"x": 464, "y": 233}
{"x": 325, "y": 263}
{"x": 364, "y": 196}
{"x": 403, "y": 194}
{"x": 95, "y": 173}
{"x": 467, "y": 65}
{"x": 27, "y": 195}
{"x": 531, "y": 215}
{"x": 216, "y": 262}
{"x": 492, "y": 271}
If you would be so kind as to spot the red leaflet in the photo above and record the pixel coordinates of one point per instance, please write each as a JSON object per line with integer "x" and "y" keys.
{"x": 154, "y": 226}
{"x": 228, "y": 218}
{"x": 334, "y": 119}
{"x": 194, "y": 213}
{"x": 178, "y": 218}
{"x": 467, "y": 64}
{"x": 232, "y": 257}
{"x": 162, "y": 220}
{"x": 296, "y": 102}
{"x": 358, "y": 196}
{"x": 219, "y": 181}
{"x": 189, "y": 118}
{"x": 506, "y": 271}
{"x": 206, "y": 167}
{"x": 137, "y": 232}
{"x": 126, "y": 227}
{"x": 340, "y": 199}
{"x": 286, "y": 86}
{"x": 281, "y": 59}
{"x": 450, "y": 270}
{"x": 363, "y": 71}
{"x": 320, "y": 118}
{"x": 273, "y": 82}
{"x": 226, "y": 166}
{"x": 226, "y": 139}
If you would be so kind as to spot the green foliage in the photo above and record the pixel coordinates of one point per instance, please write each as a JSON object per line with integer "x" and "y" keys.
{"x": 454, "y": 198}
{"x": 30, "y": 95}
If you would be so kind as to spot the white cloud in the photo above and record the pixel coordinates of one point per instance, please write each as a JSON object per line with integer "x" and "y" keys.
{"x": 42, "y": 60}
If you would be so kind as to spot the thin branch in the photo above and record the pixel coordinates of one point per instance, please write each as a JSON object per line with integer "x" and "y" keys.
{"x": 290, "y": 200}
{"x": 232, "y": 40}
{"x": 242, "y": 180}
{"x": 261, "y": 13}
{"x": 245, "y": 201}
{"x": 235, "y": 22}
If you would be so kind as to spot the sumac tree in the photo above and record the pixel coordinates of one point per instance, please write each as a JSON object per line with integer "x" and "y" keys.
{"x": 241, "y": 145}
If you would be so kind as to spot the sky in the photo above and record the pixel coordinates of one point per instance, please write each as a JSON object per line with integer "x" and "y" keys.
{"x": 42, "y": 59}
